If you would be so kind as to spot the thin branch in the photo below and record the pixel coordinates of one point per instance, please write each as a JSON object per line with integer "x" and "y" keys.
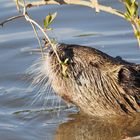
{"x": 34, "y": 28}
{"x": 52, "y": 45}
{"x": 76, "y": 2}
{"x": 10, "y": 19}
{"x": 95, "y": 2}
{"x": 135, "y": 32}
{"x": 39, "y": 42}
{"x": 33, "y": 24}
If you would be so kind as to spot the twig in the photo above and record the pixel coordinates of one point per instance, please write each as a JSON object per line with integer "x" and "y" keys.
{"x": 33, "y": 26}
{"x": 39, "y": 42}
{"x": 95, "y": 2}
{"x": 76, "y": 2}
{"x": 92, "y": 4}
{"x": 10, "y": 19}
{"x": 35, "y": 23}
{"x": 136, "y": 28}
{"x": 135, "y": 32}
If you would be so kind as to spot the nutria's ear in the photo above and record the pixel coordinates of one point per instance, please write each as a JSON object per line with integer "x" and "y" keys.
{"x": 124, "y": 75}
{"x": 129, "y": 76}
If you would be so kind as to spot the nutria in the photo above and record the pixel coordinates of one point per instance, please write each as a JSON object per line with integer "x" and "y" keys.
{"x": 100, "y": 85}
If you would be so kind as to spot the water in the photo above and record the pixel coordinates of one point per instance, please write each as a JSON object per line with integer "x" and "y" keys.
{"x": 22, "y": 120}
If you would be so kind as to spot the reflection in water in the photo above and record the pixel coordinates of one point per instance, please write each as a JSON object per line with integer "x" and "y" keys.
{"x": 83, "y": 128}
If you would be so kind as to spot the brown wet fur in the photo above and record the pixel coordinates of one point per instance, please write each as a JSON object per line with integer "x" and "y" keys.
{"x": 97, "y": 83}
{"x": 89, "y": 128}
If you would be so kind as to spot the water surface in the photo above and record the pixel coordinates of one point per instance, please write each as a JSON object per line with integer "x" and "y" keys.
{"x": 20, "y": 118}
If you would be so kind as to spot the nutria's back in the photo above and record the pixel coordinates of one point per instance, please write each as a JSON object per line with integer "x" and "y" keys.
{"x": 97, "y": 83}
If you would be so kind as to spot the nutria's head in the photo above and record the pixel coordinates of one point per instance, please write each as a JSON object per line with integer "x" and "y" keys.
{"x": 90, "y": 79}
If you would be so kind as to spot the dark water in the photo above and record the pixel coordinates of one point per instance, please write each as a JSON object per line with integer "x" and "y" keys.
{"x": 20, "y": 117}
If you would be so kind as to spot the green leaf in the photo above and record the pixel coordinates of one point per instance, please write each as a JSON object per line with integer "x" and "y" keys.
{"x": 49, "y": 19}
{"x": 133, "y": 8}
{"x": 128, "y": 2}
{"x": 49, "y": 29}
{"x": 127, "y": 16}
{"x": 54, "y": 41}
{"x": 137, "y": 34}
{"x": 65, "y": 67}
{"x": 128, "y": 8}
{"x": 45, "y": 23}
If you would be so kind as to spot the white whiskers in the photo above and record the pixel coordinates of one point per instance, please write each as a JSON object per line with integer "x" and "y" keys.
{"x": 41, "y": 74}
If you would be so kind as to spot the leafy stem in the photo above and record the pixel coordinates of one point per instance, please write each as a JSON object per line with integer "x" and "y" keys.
{"x": 130, "y": 15}
{"x": 48, "y": 21}
{"x": 64, "y": 66}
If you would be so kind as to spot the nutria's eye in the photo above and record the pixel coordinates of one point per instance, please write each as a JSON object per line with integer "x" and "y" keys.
{"x": 66, "y": 54}
{"x": 51, "y": 52}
